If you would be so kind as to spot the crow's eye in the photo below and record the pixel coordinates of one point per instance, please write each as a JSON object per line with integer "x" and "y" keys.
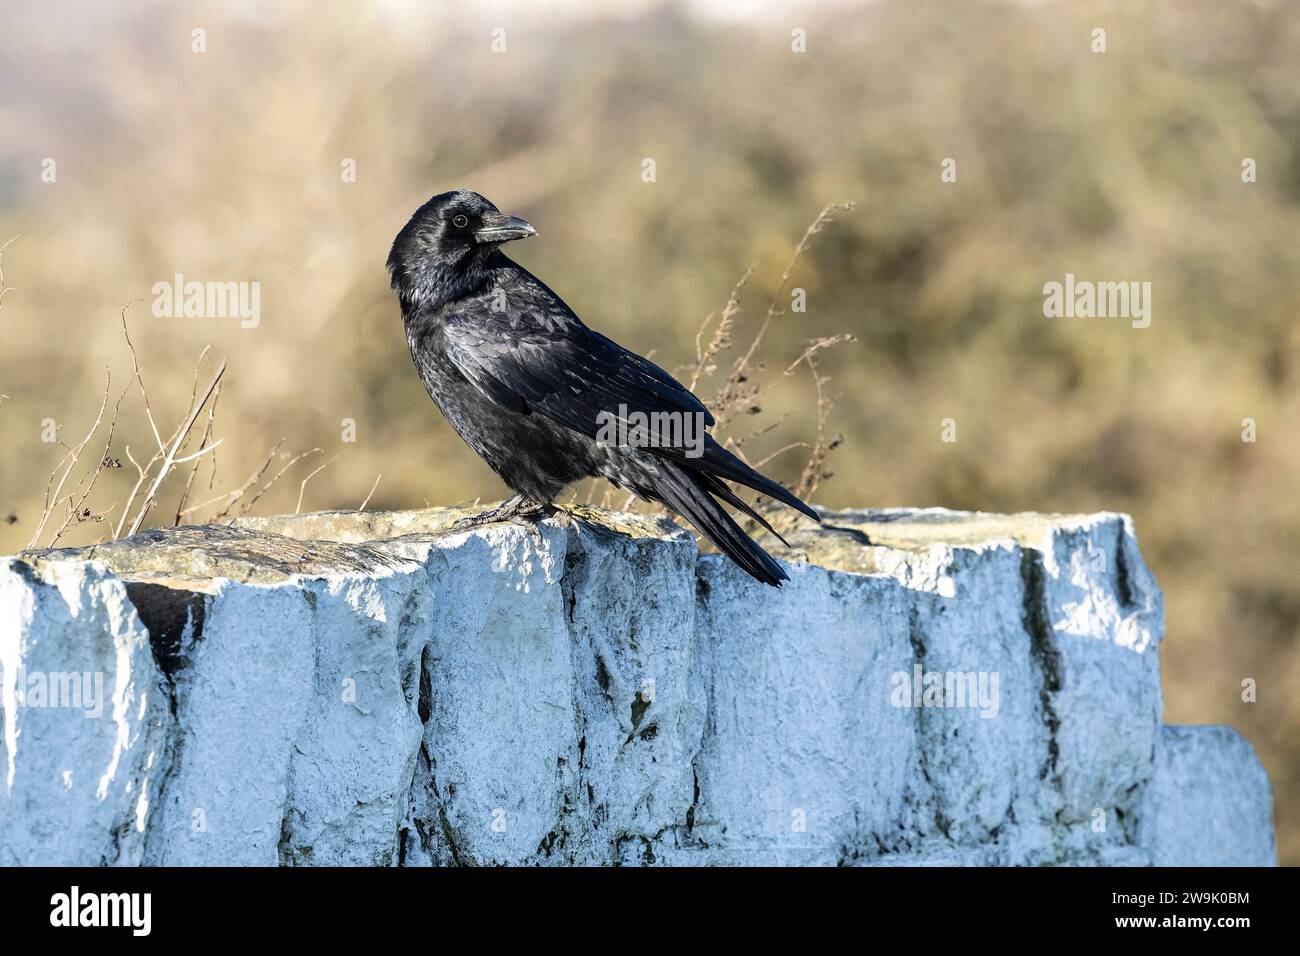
{"x": 460, "y": 222}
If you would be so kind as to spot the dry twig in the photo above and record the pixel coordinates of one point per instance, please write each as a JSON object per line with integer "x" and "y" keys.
{"x": 171, "y": 458}
{"x": 53, "y": 490}
{"x": 148, "y": 411}
{"x": 77, "y": 509}
{"x": 739, "y": 393}
{"x": 230, "y": 497}
{"x": 203, "y": 443}
{"x": 4, "y": 288}
{"x": 721, "y": 340}
{"x": 303, "y": 487}
{"x": 372, "y": 492}
{"x": 181, "y": 434}
{"x": 247, "y": 506}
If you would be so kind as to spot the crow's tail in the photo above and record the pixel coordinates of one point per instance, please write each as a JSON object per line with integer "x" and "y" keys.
{"x": 688, "y": 493}
{"x": 720, "y": 463}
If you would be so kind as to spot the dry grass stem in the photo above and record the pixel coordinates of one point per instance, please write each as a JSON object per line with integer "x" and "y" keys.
{"x": 53, "y": 488}
{"x": 372, "y": 492}
{"x": 247, "y": 506}
{"x": 4, "y": 288}
{"x": 204, "y": 440}
{"x": 303, "y": 486}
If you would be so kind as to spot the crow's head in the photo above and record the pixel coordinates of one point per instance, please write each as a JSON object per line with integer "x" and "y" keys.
{"x": 453, "y": 232}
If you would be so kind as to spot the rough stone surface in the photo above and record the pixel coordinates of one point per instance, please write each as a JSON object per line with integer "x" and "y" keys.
{"x": 82, "y": 717}
{"x": 1212, "y": 804}
{"x": 380, "y": 689}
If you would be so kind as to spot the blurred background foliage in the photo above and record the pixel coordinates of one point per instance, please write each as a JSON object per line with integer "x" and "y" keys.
{"x": 1125, "y": 165}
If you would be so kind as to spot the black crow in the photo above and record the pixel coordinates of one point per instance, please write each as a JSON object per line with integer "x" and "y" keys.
{"x": 538, "y": 394}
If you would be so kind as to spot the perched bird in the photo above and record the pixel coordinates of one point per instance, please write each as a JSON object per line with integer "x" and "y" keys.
{"x": 534, "y": 391}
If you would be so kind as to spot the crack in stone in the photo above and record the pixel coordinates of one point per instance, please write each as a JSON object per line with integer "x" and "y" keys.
{"x": 1037, "y": 624}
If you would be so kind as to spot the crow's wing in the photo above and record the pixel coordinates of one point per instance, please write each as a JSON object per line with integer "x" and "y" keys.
{"x": 542, "y": 360}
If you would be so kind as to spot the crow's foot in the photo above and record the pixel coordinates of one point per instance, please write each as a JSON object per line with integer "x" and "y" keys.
{"x": 516, "y": 507}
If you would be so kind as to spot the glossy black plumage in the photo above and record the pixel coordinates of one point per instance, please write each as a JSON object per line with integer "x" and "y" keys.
{"x": 524, "y": 382}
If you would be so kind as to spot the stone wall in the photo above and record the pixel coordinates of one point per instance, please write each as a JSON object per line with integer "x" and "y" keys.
{"x": 930, "y": 687}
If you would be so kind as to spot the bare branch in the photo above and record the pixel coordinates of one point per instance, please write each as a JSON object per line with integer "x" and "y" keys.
{"x": 231, "y": 497}
{"x": 203, "y": 441}
{"x": 135, "y": 360}
{"x": 181, "y": 433}
{"x": 781, "y": 451}
{"x": 202, "y": 451}
{"x": 244, "y": 509}
{"x": 131, "y": 458}
{"x": 143, "y": 473}
{"x": 76, "y": 509}
{"x": 51, "y": 501}
{"x": 170, "y": 458}
{"x": 813, "y": 347}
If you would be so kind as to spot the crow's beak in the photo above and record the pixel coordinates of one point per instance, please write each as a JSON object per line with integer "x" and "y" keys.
{"x": 503, "y": 228}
